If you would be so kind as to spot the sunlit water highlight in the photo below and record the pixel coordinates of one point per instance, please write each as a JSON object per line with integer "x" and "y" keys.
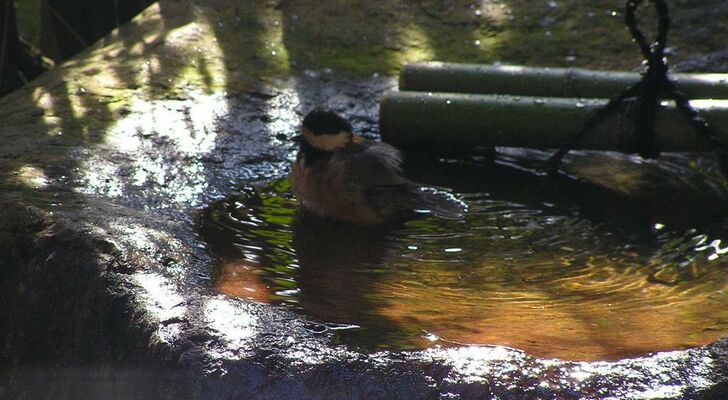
{"x": 530, "y": 275}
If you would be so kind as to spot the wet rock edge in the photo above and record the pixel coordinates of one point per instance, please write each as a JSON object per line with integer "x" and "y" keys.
{"x": 73, "y": 324}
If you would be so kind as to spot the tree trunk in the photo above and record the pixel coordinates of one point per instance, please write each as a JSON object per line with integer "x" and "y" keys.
{"x": 19, "y": 61}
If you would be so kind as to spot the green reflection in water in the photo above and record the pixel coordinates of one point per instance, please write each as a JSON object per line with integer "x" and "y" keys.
{"x": 531, "y": 275}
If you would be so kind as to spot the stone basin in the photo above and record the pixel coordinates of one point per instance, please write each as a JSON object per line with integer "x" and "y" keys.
{"x": 106, "y": 285}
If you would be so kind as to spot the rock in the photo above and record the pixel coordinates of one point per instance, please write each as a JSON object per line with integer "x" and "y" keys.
{"x": 105, "y": 285}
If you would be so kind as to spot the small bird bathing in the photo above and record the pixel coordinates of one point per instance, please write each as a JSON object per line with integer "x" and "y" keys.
{"x": 346, "y": 177}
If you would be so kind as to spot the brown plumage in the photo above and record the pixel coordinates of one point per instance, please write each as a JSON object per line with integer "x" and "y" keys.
{"x": 346, "y": 177}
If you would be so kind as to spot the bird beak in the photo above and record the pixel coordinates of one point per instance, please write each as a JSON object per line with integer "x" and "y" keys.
{"x": 297, "y": 139}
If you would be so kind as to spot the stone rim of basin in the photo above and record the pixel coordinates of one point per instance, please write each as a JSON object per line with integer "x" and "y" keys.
{"x": 153, "y": 263}
{"x": 97, "y": 205}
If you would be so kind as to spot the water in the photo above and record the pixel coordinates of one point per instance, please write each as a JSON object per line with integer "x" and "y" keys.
{"x": 527, "y": 267}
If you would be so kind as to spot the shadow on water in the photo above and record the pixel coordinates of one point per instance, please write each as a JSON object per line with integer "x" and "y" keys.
{"x": 622, "y": 190}
{"x": 270, "y": 250}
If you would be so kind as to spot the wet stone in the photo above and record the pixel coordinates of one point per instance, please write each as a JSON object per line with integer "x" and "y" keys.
{"x": 167, "y": 301}
{"x": 107, "y": 287}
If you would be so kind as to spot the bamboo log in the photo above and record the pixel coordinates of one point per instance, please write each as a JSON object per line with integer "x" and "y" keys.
{"x": 416, "y": 119}
{"x": 551, "y": 82}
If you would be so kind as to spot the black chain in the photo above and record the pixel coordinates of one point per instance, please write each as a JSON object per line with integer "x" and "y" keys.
{"x": 643, "y": 98}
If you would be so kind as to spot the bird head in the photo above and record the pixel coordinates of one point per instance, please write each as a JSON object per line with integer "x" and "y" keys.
{"x": 325, "y": 130}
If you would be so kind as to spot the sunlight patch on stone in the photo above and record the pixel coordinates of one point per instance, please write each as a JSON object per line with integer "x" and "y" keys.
{"x": 205, "y": 62}
{"x": 283, "y": 118}
{"x": 44, "y": 101}
{"x": 475, "y": 362}
{"x": 153, "y": 133}
{"x": 99, "y": 176}
{"x": 275, "y": 49}
{"x": 32, "y": 177}
{"x": 660, "y": 382}
{"x": 707, "y": 104}
{"x": 235, "y": 324}
{"x": 161, "y": 300}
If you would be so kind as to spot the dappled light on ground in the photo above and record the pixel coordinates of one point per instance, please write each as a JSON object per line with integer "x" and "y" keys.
{"x": 181, "y": 129}
{"x": 124, "y": 94}
{"x": 172, "y": 51}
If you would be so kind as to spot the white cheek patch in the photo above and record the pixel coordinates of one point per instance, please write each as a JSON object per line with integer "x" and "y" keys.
{"x": 327, "y": 142}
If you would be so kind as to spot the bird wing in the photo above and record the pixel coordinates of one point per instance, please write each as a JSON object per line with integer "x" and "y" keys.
{"x": 373, "y": 171}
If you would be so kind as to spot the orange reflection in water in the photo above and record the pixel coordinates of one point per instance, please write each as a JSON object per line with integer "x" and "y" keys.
{"x": 546, "y": 281}
{"x": 241, "y": 279}
{"x": 577, "y": 318}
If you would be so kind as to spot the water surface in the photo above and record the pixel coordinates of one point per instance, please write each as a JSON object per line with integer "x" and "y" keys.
{"x": 527, "y": 266}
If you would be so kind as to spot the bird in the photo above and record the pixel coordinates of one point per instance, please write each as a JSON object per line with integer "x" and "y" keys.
{"x": 346, "y": 177}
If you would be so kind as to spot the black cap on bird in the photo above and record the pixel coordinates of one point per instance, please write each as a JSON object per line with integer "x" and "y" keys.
{"x": 324, "y": 130}
{"x": 344, "y": 176}
{"x": 325, "y": 122}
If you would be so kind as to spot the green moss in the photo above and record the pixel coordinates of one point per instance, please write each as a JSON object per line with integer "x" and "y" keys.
{"x": 247, "y": 43}
{"x": 363, "y": 38}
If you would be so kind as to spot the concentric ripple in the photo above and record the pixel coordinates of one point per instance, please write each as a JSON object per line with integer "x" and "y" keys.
{"x": 530, "y": 275}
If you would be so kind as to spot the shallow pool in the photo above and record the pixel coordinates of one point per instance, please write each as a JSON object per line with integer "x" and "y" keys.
{"x": 556, "y": 268}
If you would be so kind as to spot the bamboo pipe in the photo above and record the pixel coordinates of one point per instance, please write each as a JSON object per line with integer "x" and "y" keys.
{"x": 416, "y": 119}
{"x": 550, "y": 82}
